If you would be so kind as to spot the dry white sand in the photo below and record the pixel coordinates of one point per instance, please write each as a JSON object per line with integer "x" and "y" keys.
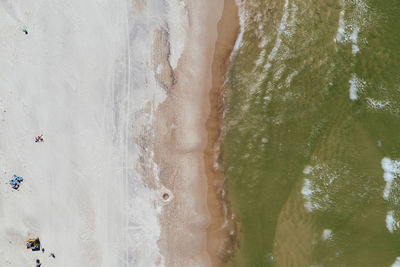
{"x": 83, "y": 78}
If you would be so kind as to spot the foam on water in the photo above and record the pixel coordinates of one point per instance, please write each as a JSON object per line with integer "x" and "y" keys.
{"x": 278, "y": 42}
{"x": 354, "y": 40}
{"x": 327, "y": 234}
{"x": 391, "y": 224}
{"x": 243, "y": 14}
{"x": 356, "y": 86}
{"x": 391, "y": 170}
{"x": 319, "y": 181}
{"x": 286, "y": 29}
{"x": 391, "y": 174}
{"x": 396, "y": 262}
{"x": 377, "y": 104}
{"x": 349, "y": 27}
{"x": 341, "y": 28}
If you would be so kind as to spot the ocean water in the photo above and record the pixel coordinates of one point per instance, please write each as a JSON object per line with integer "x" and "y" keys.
{"x": 311, "y": 147}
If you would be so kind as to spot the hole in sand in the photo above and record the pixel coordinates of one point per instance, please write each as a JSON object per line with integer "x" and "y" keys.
{"x": 165, "y": 196}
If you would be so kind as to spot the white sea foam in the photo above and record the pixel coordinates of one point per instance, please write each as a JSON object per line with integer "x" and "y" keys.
{"x": 341, "y": 27}
{"x": 350, "y": 26}
{"x": 391, "y": 224}
{"x": 260, "y": 59}
{"x": 307, "y": 169}
{"x": 243, "y": 14}
{"x": 291, "y": 24}
{"x": 283, "y": 26}
{"x": 354, "y": 40}
{"x": 290, "y": 77}
{"x": 356, "y": 86}
{"x": 307, "y": 194}
{"x": 391, "y": 170}
{"x": 278, "y": 42}
{"x": 377, "y": 104}
{"x": 327, "y": 234}
{"x": 396, "y": 262}
{"x": 318, "y": 183}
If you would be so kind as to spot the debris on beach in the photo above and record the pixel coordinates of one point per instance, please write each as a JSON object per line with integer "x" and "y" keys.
{"x": 39, "y": 138}
{"x": 33, "y": 243}
{"x": 16, "y": 182}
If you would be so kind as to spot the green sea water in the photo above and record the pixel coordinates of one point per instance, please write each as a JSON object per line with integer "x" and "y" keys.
{"x": 311, "y": 148}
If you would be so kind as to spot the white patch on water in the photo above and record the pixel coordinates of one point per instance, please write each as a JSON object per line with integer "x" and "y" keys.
{"x": 391, "y": 224}
{"x": 349, "y": 27}
{"x": 319, "y": 181}
{"x": 278, "y": 42}
{"x": 307, "y": 169}
{"x": 341, "y": 28}
{"x": 278, "y": 73}
{"x": 396, "y": 262}
{"x": 260, "y": 59}
{"x": 391, "y": 174}
{"x": 263, "y": 42}
{"x": 379, "y": 144}
{"x": 291, "y": 24}
{"x": 377, "y": 104}
{"x": 243, "y": 14}
{"x": 354, "y": 40}
{"x": 391, "y": 170}
{"x": 327, "y": 234}
{"x": 307, "y": 193}
{"x": 283, "y": 26}
{"x": 290, "y": 77}
{"x": 356, "y": 85}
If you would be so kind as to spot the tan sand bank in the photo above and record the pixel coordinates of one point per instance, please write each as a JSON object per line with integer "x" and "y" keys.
{"x": 184, "y": 145}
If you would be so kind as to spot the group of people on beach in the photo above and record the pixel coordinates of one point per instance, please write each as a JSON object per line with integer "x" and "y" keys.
{"x": 16, "y": 181}
{"x": 39, "y": 263}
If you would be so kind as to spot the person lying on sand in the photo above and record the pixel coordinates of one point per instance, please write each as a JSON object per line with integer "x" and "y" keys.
{"x": 39, "y": 138}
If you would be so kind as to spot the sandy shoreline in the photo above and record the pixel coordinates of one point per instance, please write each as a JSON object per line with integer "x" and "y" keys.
{"x": 221, "y": 234}
{"x": 184, "y": 146}
{"x": 91, "y": 190}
